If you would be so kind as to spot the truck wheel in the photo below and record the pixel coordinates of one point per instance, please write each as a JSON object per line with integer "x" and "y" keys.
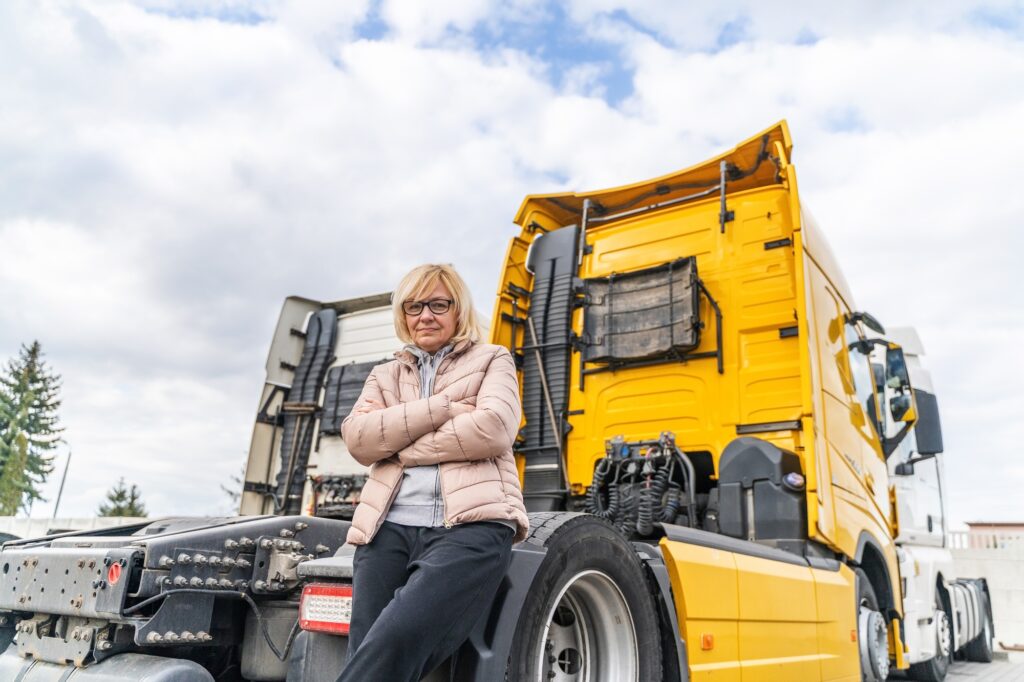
{"x": 590, "y": 614}
{"x": 980, "y": 648}
{"x": 936, "y": 668}
{"x": 872, "y": 632}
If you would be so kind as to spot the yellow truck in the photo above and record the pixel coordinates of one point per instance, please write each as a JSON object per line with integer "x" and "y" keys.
{"x": 716, "y": 450}
{"x": 696, "y": 372}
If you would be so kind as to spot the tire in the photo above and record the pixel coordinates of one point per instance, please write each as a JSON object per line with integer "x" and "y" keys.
{"x": 979, "y": 649}
{"x": 935, "y": 669}
{"x": 590, "y": 614}
{"x": 872, "y": 632}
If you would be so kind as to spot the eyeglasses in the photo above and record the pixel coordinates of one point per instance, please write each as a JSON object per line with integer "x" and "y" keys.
{"x": 438, "y": 306}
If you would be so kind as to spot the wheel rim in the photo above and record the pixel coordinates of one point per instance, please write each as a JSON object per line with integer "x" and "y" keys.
{"x": 588, "y": 633}
{"x": 874, "y": 643}
{"x": 943, "y": 634}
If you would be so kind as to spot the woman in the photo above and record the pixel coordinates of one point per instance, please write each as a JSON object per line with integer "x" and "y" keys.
{"x": 442, "y": 506}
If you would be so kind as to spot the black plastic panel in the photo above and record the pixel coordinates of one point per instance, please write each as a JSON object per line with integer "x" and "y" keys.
{"x": 297, "y": 432}
{"x": 751, "y": 464}
{"x": 553, "y": 261}
{"x": 928, "y": 429}
{"x": 344, "y": 384}
{"x": 642, "y": 315}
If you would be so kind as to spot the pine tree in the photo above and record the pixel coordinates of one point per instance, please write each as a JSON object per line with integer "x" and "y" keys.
{"x": 29, "y": 427}
{"x": 123, "y": 501}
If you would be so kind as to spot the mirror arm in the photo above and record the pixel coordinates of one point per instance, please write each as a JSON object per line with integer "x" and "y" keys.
{"x": 889, "y": 445}
{"x": 921, "y": 458}
{"x": 869, "y": 321}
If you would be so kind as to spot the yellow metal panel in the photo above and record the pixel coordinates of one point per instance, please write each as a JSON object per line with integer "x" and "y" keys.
{"x": 778, "y": 632}
{"x": 771, "y": 621}
{"x": 757, "y": 290}
{"x": 705, "y": 592}
{"x": 836, "y": 598}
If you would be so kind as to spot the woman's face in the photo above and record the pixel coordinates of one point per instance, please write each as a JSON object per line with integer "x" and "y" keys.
{"x": 431, "y": 331}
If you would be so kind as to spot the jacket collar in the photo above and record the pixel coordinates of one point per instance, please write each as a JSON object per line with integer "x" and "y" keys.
{"x": 407, "y": 357}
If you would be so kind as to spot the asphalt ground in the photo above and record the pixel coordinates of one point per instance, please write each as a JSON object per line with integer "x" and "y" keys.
{"x": 999, "y": 670}
{"x": 1003, "y": 669}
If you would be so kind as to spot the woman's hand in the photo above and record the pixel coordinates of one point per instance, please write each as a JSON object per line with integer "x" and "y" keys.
{"x": 368, "y": 405}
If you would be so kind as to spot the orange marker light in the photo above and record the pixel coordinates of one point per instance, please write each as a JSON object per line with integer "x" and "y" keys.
{"x": 853, "y": 635}
{"x": 707, "y": 641}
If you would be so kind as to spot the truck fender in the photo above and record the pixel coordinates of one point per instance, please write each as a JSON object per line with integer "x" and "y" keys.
{"x": 864, "y": 542}
{"x": 484, "y": 656}
{"x": 673, "y": 646}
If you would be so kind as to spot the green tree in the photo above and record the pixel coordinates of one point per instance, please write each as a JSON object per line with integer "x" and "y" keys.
{"x": 123, "y": 501}
{"x": 29, "y": 427}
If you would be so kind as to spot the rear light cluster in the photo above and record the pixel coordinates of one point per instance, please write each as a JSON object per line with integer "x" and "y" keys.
{"x": 326, "y": 607}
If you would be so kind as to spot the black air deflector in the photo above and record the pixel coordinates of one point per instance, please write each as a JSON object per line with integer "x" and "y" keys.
{"x": 552, "y": 259}
{"x": 299, "y": 410}
{"x": 344, "y": 384}
{"x": 643, "y": 315}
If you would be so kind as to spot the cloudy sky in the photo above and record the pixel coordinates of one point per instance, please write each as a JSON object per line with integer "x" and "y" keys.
{"x": 170, "y": 171}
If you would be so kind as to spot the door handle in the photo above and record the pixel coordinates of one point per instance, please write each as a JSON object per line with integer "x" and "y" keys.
{"x": 869, "y": 481}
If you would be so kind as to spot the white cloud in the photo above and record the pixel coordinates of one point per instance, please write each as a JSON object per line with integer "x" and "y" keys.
{"x": 176, "y": 172}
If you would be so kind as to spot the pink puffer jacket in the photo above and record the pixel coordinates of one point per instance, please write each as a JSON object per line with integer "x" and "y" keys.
{"x": 479, "y": 480}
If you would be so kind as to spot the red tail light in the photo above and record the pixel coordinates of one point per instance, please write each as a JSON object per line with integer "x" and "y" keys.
{"x": 326, "y": 607}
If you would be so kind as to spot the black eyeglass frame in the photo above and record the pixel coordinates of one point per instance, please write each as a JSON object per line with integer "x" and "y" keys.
{"x": 433, "y": 304}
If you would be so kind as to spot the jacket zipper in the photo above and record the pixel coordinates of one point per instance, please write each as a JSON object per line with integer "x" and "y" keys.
{"x": 387, "y": 508}
{"x": 440, "y": 495}
{"x": 445, "y": 361}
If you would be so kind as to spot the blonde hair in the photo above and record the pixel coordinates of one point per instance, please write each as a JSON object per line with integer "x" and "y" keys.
{"x": 421, "y": 280}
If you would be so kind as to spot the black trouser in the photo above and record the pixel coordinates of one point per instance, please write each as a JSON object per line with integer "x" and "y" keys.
{"x": 417, "y": 593}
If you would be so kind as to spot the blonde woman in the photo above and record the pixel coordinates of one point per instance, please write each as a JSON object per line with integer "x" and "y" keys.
{"x": 442, "y": 506}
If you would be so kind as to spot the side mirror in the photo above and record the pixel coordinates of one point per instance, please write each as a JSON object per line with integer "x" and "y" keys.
{"x": 868, "y": 319}
{"x": 928, "y": 429}
{"x": 899, "y": 406}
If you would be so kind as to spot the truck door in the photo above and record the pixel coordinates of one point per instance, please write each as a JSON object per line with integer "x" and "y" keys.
{"x": 839, "y": 447}
{"x": 866, "y": 416}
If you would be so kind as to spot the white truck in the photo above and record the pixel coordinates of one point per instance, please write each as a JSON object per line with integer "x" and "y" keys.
{"x": 319, "y": 358}
{"x": 943, "y": 614}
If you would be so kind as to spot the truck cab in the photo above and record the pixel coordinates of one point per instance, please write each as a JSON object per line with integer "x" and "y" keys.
{"x": 319, "y": 357}
{"x": 703, "y": 312}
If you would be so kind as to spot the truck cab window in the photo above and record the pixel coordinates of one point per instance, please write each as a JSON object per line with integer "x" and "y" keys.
{"x": 863, "y": 376}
